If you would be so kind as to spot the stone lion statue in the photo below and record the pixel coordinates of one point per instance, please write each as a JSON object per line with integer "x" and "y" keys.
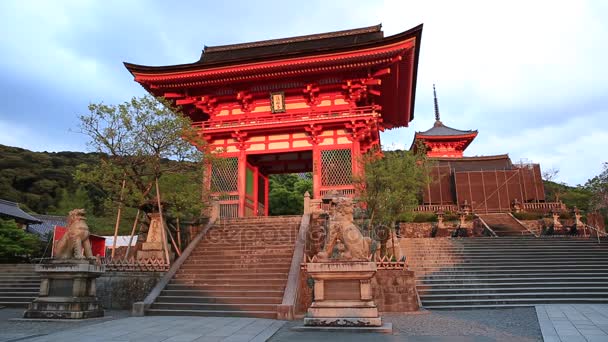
{"x": 343, "y": 230}
{"x": 75, "y": 242}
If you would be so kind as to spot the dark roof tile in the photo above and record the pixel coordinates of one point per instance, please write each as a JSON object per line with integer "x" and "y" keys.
{"x": 439, "y": 129}
{"x": 12, "y": 210}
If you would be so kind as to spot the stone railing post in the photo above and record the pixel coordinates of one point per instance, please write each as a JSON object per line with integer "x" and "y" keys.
{"x": 306, "y": 203}
{"x": 215, "y": 209}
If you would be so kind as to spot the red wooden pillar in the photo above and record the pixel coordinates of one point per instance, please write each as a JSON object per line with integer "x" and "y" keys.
{"x": 242, "y": 179}
{"x": 316, "y": 171}
{"x": 267, "y": 193}
{"x": 256, "y": 186}
{"x": 356, "y": 157}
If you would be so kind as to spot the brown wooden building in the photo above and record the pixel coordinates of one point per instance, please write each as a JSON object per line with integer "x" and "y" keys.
{"x": 486, "y": 183}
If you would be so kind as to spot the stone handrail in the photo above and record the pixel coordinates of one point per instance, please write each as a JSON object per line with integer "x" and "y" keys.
{"x": 543, "y": 206}
{"x": 597, "y": 232}
{"x": 523, "y": 225}
{"x": 286, "y": 310}
{"x": 487, "y": 227}
{"x": 436, "y": 207}
{"x": 139, "y": 308}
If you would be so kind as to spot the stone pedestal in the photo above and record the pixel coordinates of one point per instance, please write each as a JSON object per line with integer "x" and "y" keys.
{"x": 153, "y": 247}
{"x": 67, "y": 290}
{"x": 342, "y": 295}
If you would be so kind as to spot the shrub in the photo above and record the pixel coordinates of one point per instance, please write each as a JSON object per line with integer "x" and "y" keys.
{"x": 15, "y": 244}
{"x": 526, "y": 215}
{"x": 425, "y": 217}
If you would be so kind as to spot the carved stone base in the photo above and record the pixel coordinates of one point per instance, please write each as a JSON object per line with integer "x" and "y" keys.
{"x": 67, "y": 290}
{"x": 343, "y": 322}
{"x": 342, "y": 295}
{"x": 64, "y": 308}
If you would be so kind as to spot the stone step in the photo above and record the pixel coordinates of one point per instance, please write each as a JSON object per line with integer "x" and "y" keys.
{"x": 223, "y": 293}
{"x": 212, "y": 313}
{"x": 5, "y": 289}
{"x": 218, "y": 300}
{"x": 228, "y": 281}
{"x": 160, "y": 304}
{"x": 17, "y": 299}
{"x": 214, "y": 248}
{"x": 462, "y": 303}
{"x": 545, "y": 284}
{"x": 22, "y": 305}
{"x": 18, "y": 283}
{"x": 215, "y": 275}
{"x": 502, "y": 270}
{"x": 209, "y": 268}
{"x": 173, "y": 285}
{"x": 238, "y": 269}
{"x": 253, "y": 263}
{"x": 229, "y": 255}
{"x": 502, "y": 266}
{"x": 511, "y": 290}
{"x": 507, "y": 278}
{"x": 481, "y": 294}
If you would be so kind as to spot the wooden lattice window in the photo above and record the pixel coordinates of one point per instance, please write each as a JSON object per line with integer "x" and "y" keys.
{"x": 336, "y": 167}
{"x": 224, "y": 175}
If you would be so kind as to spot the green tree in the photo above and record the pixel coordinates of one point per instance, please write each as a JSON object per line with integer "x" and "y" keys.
{"x": 139, "y": 141}
{"x": 598, "y": 186}
{"x": 287, "y": 193}
{"x": 390, "y": 186}
{"x": 15, "y": 244}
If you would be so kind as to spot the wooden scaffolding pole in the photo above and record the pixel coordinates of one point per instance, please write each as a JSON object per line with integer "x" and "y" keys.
{"x": 179, "y": 234}
{"x": 162, "y": 222}
{"x": 132, "y": 233}
{"x": 122, "y": 190}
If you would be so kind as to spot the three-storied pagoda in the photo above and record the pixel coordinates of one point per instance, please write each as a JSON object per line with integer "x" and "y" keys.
{"x": 308, "y": 103}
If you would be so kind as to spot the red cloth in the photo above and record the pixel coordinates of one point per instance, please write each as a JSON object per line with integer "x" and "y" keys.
{"x": 98, "y": 243}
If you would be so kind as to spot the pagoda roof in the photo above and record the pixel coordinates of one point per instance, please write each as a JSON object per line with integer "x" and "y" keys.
{"x": 441, "y": 130}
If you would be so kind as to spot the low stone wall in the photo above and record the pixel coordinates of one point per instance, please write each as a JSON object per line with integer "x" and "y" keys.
{"x": 119, "y": 290}
{"x": 415, "y": 230}
{"x": 395, "y": 291}
{"x": 304, "y": 293}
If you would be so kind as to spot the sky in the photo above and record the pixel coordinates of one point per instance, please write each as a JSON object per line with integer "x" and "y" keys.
{"x": 531, "y": 76}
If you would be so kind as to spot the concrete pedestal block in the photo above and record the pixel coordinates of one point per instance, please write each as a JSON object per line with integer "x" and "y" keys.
{"x": 67, "y": 290}
{"x": 342, "y": 295}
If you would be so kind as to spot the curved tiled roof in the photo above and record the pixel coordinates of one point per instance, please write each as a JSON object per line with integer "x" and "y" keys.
{"x": 12, "y": 210}
{"x": 439, "y": 129}
{"x": 47, "y": 224}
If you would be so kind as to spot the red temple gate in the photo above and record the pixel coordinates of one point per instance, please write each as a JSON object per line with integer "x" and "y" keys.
{"x": 303, "y": 104}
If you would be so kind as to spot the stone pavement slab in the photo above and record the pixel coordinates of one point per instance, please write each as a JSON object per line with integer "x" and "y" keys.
{"x": 518, "y": 324}
{"x": 146, "y": 329}
{"x": 573, "y": 322}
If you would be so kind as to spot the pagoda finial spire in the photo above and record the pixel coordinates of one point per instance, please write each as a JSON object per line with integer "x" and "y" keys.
{"x": 437, "y": 117}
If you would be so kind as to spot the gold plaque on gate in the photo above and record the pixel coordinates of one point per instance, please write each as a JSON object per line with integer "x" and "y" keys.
{"x": 277, "y": 102}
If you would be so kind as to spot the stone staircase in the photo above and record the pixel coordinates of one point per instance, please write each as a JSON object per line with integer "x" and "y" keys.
{"x": 503, "y": 224}
{"x": 240, "y": 268}
{"x": 19, "y": 285}
{"x": 508, "y": 271}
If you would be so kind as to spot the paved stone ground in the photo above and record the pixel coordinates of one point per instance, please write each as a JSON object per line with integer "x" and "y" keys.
{"x": 11, "y": 330}
{"x": 149, "y": 329}
{"x": 573, "y": 322}
{"x": 563, "y": 323}
{"x": 517, "y": 324}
